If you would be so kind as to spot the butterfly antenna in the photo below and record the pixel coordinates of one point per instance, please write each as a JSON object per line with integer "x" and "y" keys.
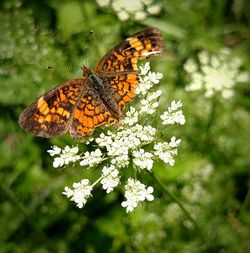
{"x": 90, "y": 38}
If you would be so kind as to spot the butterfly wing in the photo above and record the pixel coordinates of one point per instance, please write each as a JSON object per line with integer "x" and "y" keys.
{"x": 51, "y": 114}
{"x": 89, "y": 113}
{"x": 119, "y": 89}
{"x": 118, "y": 68}
{"x": 125, "y": 55}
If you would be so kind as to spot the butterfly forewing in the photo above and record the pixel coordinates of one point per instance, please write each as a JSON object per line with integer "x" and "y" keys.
{"x": 51, "y": 114}
{"x": 124, "y": 56}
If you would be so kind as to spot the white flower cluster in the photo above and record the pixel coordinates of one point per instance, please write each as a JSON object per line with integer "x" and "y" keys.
{"x": 126, "y": 139}
{"x": 150, "y": 104}
{"x": 165, "y": 151}
{"x": 70, "y": 155}
{"x": 130, "y": 9}
{"x": 142, "y": 159}
{"x": 131, "y": 117}
{"x": 216, "y": 73}
{"x": 136, "y": 192}
{"x": 147, "y": 79}
{"x": 173, "y": 115}
{"x": 80, "y": 193}
{"x": 110, "y": 178}
{"x": 66, "y": 156}
{"x": 91, "y": 158}
{"x": 130, "y": 144}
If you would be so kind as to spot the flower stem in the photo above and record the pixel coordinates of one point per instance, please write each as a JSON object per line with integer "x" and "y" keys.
{"x": 97, "y": 181}
{"x": 212, "y": 114}
{"x": 176, "y": 200}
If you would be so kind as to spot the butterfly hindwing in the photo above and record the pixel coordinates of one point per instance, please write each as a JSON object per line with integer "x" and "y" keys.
{"x": 89, "y": 113}
{"x": 120, "y": 87}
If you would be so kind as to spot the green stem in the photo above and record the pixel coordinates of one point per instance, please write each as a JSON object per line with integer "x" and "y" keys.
{"x": 97, "y": 181}
{"x": 176, "y": 200}
{"x": 212, "y": 114}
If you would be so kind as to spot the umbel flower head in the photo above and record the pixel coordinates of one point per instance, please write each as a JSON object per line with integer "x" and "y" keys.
{"x": 131, "y": 9}
{"x": 215, "y": 74}
{"x": 135, "y": 143}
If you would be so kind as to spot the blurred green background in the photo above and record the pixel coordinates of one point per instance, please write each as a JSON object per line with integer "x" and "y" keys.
{"x": 43, "y": 43}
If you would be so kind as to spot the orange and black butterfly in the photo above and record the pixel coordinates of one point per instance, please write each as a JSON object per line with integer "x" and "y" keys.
{"x": 82, "y": 104}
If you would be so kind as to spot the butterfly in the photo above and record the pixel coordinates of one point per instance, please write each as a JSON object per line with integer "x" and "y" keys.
{"x": 98, "y": 98}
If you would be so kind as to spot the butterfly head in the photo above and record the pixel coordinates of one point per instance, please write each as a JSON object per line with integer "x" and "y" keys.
{"x": 86, "y": 72}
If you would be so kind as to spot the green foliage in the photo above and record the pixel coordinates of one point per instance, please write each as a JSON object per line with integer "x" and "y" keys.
{"x": 26, "y": 52}
{"x": 44, "y": 43}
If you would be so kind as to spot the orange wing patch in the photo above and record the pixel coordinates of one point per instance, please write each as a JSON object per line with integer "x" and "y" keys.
{"x": 121, "y": 87}
{"x": 124, "y": 56}
{"x": 50, "y": 115}
{"x": 89, "y": 113}
{"x": 54, "y": 114}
